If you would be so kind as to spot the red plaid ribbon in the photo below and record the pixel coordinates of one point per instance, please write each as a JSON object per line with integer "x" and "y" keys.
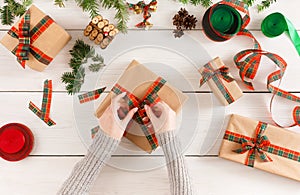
{"x": 27, "y": 37}
{"x": 242, "y": 7}
{"x": 208, "y": 72}
{"x": 261, "y": 145}
{"x": 150, "y": 98}
{"x": 146, "y": 10}
{"x": 253, "y": 145}
{"x": 246, "y": 61}
{"x": 91, "y": 95}
{"x": 44, "y": 112}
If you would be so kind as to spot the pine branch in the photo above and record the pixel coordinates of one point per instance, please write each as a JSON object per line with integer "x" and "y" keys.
{"x": 6, "y": 16}
{"x": 263, "y": 5}
{"x": 204, "y": 3}
{"x": 13, "y": 9}
{"x": 60, "y": 3}
{"x": 80, "y": 54}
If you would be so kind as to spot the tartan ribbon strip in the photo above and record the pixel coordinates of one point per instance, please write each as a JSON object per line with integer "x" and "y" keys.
{"x": 261, "y": 145}
{"x": 146, "y": 9}
{"x": 22, "y": 49}
{"x": 149, "y": 98}
{"x": 246, "y": 62}
{"x": 27, "y": 37}
{"x": 91, "y": 95}
{"x": 255, "y": 145}
{"x": 242, "y": 7}
{"x": 44, "y": 112}
{"x": 208, "y": 72}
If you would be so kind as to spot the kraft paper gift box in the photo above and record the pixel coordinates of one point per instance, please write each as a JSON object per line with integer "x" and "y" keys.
{"x": 137, "y": 79}
{"x": 39, "y": 39}
{"x": 220, "y": 81}
{"x": 262, "y": 146}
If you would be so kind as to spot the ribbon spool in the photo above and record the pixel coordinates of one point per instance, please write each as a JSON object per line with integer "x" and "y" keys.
{"x": 16, "y": 142}
{"x": 275, "y": 24}
{"x": 221, "y": 22}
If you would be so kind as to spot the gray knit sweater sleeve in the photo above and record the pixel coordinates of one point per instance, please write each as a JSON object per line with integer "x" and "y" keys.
{"x": 85, "y": 172}
{"x": 177, "y": 170}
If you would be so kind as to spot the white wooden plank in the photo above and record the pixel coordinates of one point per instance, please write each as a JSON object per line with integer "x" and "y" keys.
{"x": 201, "y": 115}
{"x": 178, "y": 61}
{"x": 162, "y": 19}
{"x": 210, "y": 175}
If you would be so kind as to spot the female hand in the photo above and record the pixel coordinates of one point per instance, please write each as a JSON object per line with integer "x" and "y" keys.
{"x": 116, "y": 117}
{"x": 162, "y": 117}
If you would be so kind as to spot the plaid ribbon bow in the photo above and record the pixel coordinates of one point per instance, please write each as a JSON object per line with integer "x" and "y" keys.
{"x": 149, "y": 98}
{"x": 246, "y": 61}
{"x": 255, "y": 145}
{"x": 44, "y": 112}
{"x": 259, "y": 144}
{"x": 27, "y": 37}
{"x": 146, "y": 9}
{"x": 208, "y": 72}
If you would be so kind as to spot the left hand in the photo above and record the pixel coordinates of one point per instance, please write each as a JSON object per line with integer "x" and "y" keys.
{"x": 114, "y": 120}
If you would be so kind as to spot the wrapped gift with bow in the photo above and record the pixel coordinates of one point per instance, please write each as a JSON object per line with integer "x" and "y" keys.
{"x": 263, "y": 146}
{"x": 142, "y": 87}
{"x": 35, "y": 39}
{"x": 220, "y": 81}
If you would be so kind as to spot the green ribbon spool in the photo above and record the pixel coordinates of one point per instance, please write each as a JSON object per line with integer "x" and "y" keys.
{"x": 226, "y": 19}
{"x": 275, "y": 24}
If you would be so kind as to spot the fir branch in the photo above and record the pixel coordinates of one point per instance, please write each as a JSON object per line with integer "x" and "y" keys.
{"x": 7, "y": 17}
{"x": 92, "y": 6}
{"x": 13, "y": 9}
{"x": 263, "y": 5}
{"x": 98, "y": 63}
{"x": 204, "y": 3}
{"x": 80, "y": 53}
{"x": 59, "y": 3}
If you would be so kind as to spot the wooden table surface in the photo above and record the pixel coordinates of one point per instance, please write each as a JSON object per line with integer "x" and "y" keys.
{"x": 58, "y": 148}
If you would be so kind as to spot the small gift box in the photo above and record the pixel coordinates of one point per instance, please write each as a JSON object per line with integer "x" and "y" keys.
{"x": 220, "y": 81}
{"x": 35, "y": 39}
{"x": 142, "y": 86}
{"x": 263, "y": 146}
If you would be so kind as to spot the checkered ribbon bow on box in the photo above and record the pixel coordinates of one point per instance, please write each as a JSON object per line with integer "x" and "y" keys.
{"x": 27, "y": 37}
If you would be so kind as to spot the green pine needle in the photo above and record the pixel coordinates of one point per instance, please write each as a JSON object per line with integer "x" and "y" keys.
{"x": 263, "y": 5}
{"x": 80, "y": 54}
{"x": 7, "y": 17}
{"x": 204, "y": 3}
{"x": 11, "y": 9}
{"x": 59, "y": 3}
{"x": 92, "y": 6}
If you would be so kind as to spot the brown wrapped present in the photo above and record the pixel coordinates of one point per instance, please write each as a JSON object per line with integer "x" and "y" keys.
{"x": 142, "y": 85}
{"x": 220, "y": 81}
{"x": 35, "y": 39}
{"x": 263, "y": 146}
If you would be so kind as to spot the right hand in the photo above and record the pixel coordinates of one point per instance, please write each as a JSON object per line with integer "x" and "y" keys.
{"x": 162, "y": 117}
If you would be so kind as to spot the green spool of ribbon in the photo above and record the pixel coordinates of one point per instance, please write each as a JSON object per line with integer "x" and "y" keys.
{"x": 226, "y": 19}
{"x": 275, "y": 24}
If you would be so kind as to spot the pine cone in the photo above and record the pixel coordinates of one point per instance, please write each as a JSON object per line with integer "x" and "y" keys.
{"x": 190, "y": 22}
{"x": 178, "y": 20}
{"x": 183, "y": 13}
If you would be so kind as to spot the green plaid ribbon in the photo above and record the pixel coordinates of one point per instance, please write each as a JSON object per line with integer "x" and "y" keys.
{"x": 208, "y": 72}
{"x": 260, "y": 145}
